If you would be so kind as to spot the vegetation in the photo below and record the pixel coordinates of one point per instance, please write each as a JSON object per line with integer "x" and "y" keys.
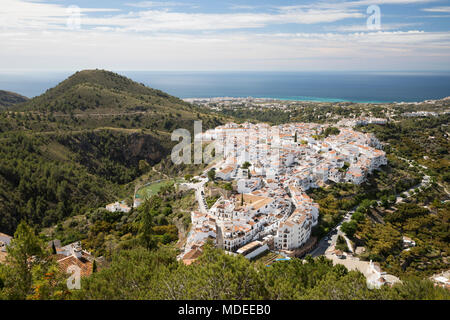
{"x": 142, "y": 274}
{"x": 42, "y": 190}
{"x": 423, "y": 140}
{"x": 429, "y": 231}
{"x": 83, "y": 144}
{"x": 91, "y": 139}
{"x": 211, "y": 175}
{"x": 211, "y": 200}
{"x": 331, "y": 131}
{"x": 8, "y": 99}
{"x": 246, "y": 165}
{"x": 423, "y": 216}
{"x": 29, "y": 272}
{"x": 341, "y": 244}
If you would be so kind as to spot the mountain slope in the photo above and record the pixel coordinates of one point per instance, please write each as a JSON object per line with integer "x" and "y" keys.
{"x": 8, "y": 98}
{"x": 81, "y": 144}
{"x": 100, "y": 89}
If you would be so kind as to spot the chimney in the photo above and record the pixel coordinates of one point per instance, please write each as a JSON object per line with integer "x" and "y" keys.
{"x": 77, "y": 251}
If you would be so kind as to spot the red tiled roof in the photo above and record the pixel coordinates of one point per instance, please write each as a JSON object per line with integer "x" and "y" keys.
{"x": 84, "y": 264}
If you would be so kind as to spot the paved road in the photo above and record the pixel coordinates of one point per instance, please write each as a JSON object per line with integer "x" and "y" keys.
{"x": 327, "y": 243}
{"x": 199, "y": 188}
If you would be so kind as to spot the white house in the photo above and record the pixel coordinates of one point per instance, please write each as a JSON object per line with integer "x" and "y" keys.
{"x": 294, "y": 232}
{"x": 374, "y": 278}
{"x": 116, "y": 206}
{"x": 248, "y": 185}
{"x": 5, "y": 240}
{"x": 225, "y": 173}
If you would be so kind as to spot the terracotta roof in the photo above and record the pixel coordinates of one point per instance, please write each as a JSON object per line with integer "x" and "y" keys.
{"x": 82, "y": 263}
{"x": 191, "y": 256}
{"x": 227, "y": 170}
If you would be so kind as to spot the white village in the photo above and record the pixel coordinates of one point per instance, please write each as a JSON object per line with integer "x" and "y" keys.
{"x": 273, "y": 168}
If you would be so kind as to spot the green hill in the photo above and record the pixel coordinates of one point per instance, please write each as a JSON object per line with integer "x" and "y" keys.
{"x": 100, "y": 89}
{"x": 82, "y": 144}
{"x": 8, "y": 98}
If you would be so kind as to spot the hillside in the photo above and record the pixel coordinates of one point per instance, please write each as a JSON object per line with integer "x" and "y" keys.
{"x": 7, "y": 98}
{"x": 99, "y": 89}
{"x": 83, "y": 143}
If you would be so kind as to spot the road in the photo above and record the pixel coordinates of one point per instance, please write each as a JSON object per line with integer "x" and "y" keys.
{"x": 200, "y": 188}
{"x": 327, "y": 244}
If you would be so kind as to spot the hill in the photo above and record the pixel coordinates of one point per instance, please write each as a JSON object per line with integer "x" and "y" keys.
{"x": 8, "y": 98}
{"x": 83, "y": 143}
{"x": 99, "y": 89}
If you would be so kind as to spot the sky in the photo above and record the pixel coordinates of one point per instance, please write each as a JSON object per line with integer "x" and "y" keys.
{"x": 227, "y": 35}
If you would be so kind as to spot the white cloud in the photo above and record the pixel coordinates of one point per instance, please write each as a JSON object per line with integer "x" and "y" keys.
{"x": 23, "y": 15}
{"x": 352, "y": 4}
{"x": 228, "y": 51}
{"x": 243, "y": 7}
{"x": 153, "y": 4}
{"x": 438, "y": 9}
{"x": 381, "y": 2}
{"x": 160, "y": 20}
{"x": 363, "y": 27}
{"x": 158, "y": 38}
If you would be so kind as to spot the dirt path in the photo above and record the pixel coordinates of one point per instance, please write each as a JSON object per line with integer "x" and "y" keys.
{"x": 163, "y": 174}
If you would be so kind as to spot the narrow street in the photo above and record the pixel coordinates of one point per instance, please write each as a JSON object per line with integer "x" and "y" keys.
{"x": 327, "y": 244}
{"x": 199, "y": 188}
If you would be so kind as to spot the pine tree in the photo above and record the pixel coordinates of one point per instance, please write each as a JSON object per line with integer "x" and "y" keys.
{"x": 53, "y": 247}
{"x": 146, "y": 228}
{"x": 25, "y": 251}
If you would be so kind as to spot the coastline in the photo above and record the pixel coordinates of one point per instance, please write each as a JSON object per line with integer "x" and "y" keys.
{"x": 302, "y": 99}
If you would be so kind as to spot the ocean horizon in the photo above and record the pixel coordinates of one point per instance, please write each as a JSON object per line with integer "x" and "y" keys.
{"x": 360, "y": 87}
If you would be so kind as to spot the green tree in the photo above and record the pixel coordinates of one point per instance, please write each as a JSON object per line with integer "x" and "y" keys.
{"x": 349, "y": 228}
{"x": 146, "y": 226}
{"x": 143, "y": 166}
{"x": 211, "y": 175}
{"x": 358, "y": 216}
{"x": 331, "y": 131}
{"x": 246, "y": 165}
{"x": 25, "y": 254}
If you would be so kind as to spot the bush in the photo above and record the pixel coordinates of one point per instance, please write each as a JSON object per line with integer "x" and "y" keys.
{"x": 349, "y": 228}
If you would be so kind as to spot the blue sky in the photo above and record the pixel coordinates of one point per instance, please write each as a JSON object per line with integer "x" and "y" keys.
{"x": 413, "y": 35}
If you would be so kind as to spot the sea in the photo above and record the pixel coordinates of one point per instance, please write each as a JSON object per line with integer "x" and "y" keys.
{"x": 362, "y": 87}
